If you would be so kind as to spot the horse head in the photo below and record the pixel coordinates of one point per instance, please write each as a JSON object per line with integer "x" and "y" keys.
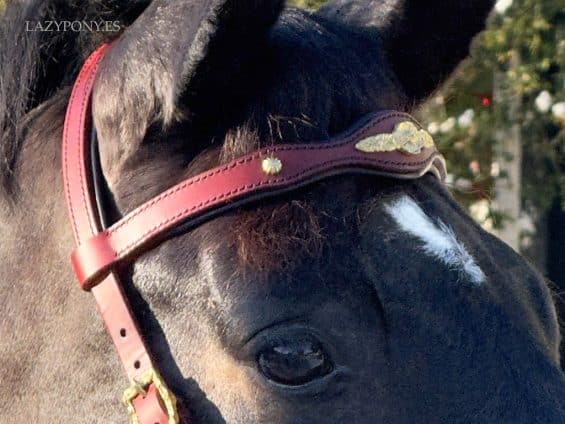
{"x": 356, "y": 299}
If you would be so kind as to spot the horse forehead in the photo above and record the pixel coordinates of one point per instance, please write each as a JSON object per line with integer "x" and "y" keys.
{"x": 331, "y": 220}
{"x": 434, "y": 238}
{"x": 326, "y": 231}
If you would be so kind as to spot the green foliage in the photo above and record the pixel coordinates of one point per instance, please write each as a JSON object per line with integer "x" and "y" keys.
{"x": 521, "y": 55}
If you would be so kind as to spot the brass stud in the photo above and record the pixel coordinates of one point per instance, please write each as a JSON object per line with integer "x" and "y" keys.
{"x": 271, "y": 165}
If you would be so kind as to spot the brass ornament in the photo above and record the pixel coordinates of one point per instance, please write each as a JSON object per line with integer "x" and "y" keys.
{"x": 271, "y": 165}
{"x": 406, "y": 137}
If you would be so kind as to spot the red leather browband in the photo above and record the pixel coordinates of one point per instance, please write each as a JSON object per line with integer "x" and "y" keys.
{"x": 262, "y": 174}
{"x": 238, "y": 182}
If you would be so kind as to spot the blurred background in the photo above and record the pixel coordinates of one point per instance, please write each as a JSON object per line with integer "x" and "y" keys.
{"x": 500, "y": 122}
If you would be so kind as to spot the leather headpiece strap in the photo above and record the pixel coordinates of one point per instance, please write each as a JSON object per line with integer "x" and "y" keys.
{"x": 388, "y": 143}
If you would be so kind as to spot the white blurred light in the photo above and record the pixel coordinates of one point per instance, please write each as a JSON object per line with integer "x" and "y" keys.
{"x": 433, "y": 128}
{"x": 558, "y": 110}
{"x": 480, "y": 211}
{"x": 502, "y": 6}
{"x": 474, "y": 167}
{"x": 447, "y": 125}
{"x": 495, "y": 169}
{"x": 463, "y": 184}
{"x": 466, "y": 118}
{"x": 544, "y": 101}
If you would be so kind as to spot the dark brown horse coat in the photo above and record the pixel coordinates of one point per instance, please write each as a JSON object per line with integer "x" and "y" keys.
{"x": 356, "y": 300}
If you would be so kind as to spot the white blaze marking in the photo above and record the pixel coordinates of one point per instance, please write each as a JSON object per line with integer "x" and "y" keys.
{"x": 439, "y": 240}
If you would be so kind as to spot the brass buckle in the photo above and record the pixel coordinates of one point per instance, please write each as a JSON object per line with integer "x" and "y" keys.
{"x": 139, "y": 388}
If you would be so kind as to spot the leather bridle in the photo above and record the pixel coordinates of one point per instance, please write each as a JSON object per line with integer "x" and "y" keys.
{"x": 387, "y": 143}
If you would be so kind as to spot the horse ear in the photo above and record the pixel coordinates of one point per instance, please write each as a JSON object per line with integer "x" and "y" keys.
{"x": 174, "y": 49}
{"x": 424, "y": 40}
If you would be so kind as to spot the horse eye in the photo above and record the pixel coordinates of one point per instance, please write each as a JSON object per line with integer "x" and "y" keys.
{"x": 294, "y": 363}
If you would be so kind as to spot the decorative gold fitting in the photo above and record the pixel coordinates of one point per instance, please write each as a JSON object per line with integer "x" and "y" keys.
{"x": 271, "y": 165}
{"x": 140, "y": 387}
{"x": 406, "y": 137}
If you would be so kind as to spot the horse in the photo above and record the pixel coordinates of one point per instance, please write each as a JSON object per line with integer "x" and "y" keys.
{"x": 356, "y": 299}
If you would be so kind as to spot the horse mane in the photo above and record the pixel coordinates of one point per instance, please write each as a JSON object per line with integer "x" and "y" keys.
{"x": 37, "y": 65}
